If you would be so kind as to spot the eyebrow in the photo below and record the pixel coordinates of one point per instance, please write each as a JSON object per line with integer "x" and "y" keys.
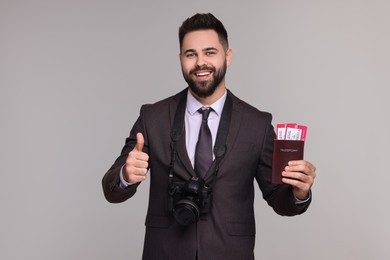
{"x": 205, "y": 49}
{"x": 210, "y": 49}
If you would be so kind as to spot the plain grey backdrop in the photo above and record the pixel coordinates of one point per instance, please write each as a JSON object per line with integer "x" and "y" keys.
{"x": 73, "y": 75}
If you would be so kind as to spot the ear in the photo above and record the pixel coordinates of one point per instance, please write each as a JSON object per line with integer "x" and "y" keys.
{"x": 229, "y": 57}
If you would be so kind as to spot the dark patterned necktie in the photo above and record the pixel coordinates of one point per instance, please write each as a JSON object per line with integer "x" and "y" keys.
{"x": 203, "y": 150}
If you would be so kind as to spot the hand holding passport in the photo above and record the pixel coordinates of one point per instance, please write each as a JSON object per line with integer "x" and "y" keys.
{"x": 288, "y": 146}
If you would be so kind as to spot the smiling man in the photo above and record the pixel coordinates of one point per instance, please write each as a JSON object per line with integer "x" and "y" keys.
{"x": 204, "y": 59}
{"x": 204, "y": 148}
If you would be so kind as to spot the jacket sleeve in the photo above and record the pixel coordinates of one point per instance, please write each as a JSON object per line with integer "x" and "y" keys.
{"x": 280, "y": 197}
{"x": 112, "y": 191}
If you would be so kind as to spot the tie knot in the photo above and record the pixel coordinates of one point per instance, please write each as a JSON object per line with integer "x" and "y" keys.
{"x": 205, "y": 111}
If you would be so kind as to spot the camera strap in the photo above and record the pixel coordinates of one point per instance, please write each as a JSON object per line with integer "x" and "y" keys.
{"x": 177, "y": 131}
{"x": 222, "y": 133}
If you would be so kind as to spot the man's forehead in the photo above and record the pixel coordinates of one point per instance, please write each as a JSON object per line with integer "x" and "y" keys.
{"x": 201, "y": 39}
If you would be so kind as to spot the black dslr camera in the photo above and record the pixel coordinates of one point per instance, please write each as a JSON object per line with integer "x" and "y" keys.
{"x": 189, "y": 200}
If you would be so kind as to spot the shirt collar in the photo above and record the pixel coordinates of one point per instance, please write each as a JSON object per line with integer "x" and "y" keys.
{"x": 193, "y": 104}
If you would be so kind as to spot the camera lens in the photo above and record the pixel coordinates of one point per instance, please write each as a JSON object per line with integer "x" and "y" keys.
{"x": 186, "y": 212}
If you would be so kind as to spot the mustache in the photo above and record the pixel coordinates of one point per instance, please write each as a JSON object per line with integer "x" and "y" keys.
{"x": 203, "y": 67}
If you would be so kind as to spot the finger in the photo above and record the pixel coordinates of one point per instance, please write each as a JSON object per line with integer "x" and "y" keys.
{"x": 302, "y": 166}
{"x": 296, "y": 183}
{"x": 298, "y": 180}
{"x": 140, "y": 142}
{"x": 299, "y": 176}
{"x": 139, "y": 171}
{"x": 298, "y": 172}
{"x": 298, "y": 162}
{"x": 136, "y": 178}
{"x": 297, "y": 168}
{"x": 302, "y": 162}
{"x": 141, "y": 162}
{"x": 136, "y": 174}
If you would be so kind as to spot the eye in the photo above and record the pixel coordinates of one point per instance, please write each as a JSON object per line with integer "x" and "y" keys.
{"x": 210, "y": 53}
{"x": 190, "y": 54}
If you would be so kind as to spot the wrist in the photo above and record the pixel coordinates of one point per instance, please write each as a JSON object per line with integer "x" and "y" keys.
{"x": 301, "y": 195}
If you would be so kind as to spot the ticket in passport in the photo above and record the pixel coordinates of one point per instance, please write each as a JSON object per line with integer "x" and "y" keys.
{"x": 291, "y": 131}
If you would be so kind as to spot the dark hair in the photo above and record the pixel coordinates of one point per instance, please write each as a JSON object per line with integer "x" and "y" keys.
{"x": 204, "y": 22}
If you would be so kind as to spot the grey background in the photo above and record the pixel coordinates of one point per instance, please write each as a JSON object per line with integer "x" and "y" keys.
{"x": 73, "y": 75}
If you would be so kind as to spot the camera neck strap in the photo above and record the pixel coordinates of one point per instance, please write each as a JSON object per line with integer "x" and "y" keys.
{"x": 222, "y": 133}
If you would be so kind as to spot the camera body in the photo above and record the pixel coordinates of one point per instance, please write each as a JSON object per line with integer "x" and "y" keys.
{"x": 189, "y": 200}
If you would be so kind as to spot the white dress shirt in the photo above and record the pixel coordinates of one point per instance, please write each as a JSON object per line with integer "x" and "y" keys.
{"x": 193, "y": 120}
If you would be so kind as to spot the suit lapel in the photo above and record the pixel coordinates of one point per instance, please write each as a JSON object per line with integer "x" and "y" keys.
{"x": 235, "y": 124}
{"x": 183, "y": 155}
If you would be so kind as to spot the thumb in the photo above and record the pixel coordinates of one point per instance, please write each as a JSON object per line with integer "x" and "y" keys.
{"x": 140, "y": 142}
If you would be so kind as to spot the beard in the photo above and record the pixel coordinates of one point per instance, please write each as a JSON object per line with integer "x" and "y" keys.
{"x": 205, "y": 88}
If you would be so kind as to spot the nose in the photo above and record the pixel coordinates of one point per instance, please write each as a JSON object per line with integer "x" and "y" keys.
{"x": 201, "y": 60}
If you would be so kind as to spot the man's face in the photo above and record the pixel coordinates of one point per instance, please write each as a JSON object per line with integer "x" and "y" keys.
{"x": 204, "y": 61}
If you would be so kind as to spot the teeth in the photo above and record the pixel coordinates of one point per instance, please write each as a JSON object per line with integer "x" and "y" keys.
{"x": 202, "y": 73}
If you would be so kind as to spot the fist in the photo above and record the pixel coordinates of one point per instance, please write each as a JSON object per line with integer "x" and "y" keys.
{"x": 137, "y": 163}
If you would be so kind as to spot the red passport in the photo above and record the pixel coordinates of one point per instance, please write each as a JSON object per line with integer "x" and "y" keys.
{"x": 285, "y": 151}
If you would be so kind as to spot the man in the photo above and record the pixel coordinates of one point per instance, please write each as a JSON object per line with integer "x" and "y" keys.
{"x": 186, "y": 218}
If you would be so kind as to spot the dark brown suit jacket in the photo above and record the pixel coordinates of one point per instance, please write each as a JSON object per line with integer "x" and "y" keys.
{"x": 228, "y": 231}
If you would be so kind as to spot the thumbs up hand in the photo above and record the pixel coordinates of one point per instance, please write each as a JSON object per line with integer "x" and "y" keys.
{"x": 137, "y": 163}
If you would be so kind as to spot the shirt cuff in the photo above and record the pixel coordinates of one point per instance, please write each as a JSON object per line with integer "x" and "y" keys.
{"x": 298, "y": 201}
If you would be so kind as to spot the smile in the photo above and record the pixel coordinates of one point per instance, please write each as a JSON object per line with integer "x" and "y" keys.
{"x": 202, "y": 74}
